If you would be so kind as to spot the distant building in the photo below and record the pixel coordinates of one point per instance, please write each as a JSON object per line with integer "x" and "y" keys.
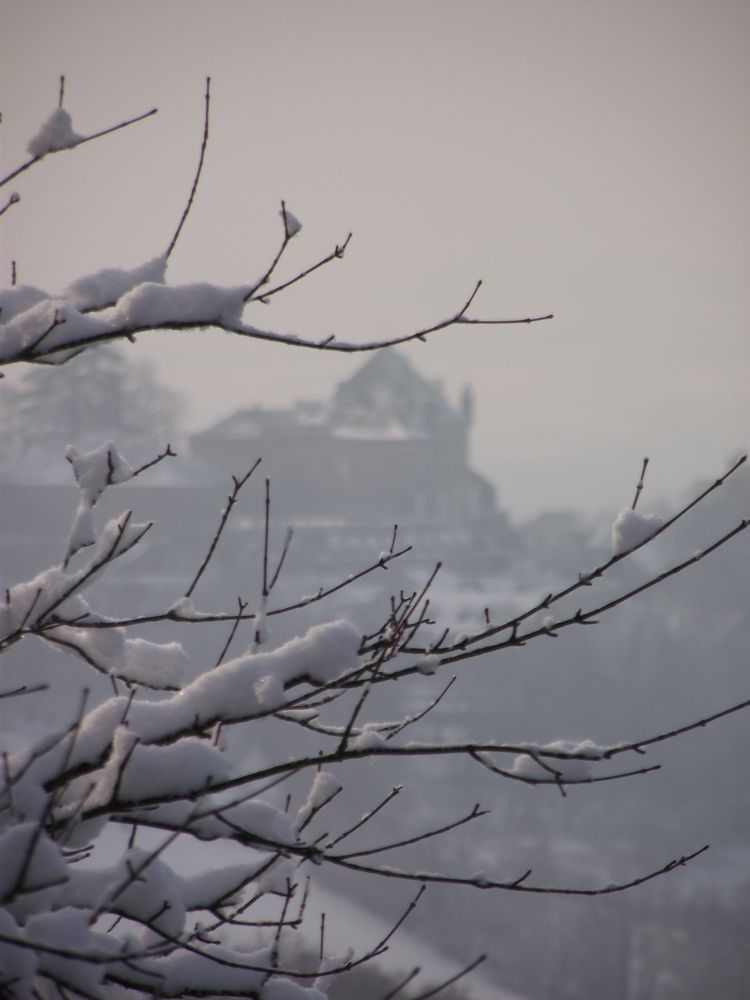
{"x": 386, "y": 448}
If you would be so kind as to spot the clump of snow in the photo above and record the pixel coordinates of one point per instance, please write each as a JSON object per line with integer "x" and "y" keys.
{"x": 66, "y": 929}
{"x": 631, "y": 529}
{"x": 428, "y": 664}
{"x": 370, "y": 738}
{"x": 94, "y": 471}
{"x": 322, "y": 790}
{"x": 291, "y": 222}
{"x": 258, "y": 822}
{"x": 107, "y": 286}
{"x": 97, "y": 469}
{"x": 182, "y": 608}
{"x": 574, "y": 768}
{"x": 480, "y": 880}
{"x": 55, "y": 134}
{"x": 151, "y": 304}
{"x": 155, "y": 664}
{"x": 55, "y": 589}
{"x": 239, "y": 689}
{"x": 277, "y": 878}
{"x": 19, "y": 964}
{"x": 213, "y": 969}
{"x": 47, "y": 324}
{"x": 14, "y": 301}
{"x": 143, "y": 772}
{"x": 22, "y": 847}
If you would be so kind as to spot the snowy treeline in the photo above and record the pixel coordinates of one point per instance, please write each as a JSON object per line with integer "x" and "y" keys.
{"x": 85, "y": 909}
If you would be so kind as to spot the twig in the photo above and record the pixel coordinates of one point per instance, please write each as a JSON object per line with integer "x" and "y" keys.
{"x": 639, "y": 487}
{"x": 287, "y": 238}
{"x": 284, "y": 550}
{"x": 241, "y": 606}
{"x": 167, "y": 453}
{"x": 453, "y": 979}
{"x": 266, "y": 524}
{"x": 191, "y": 198}
{"x": 336, "y": 254}
{"x": 396, "y": 790}
{"x": 87, "y": 138}
{"x": 638, "y": 745}
{"x": 402, "y": 983}
{"x": 586, "y": 579}
{"x": 12, "y": 200}
{"x": 475, "y": 813}
{"x": 519, "y": 884}
{"x": 231, "y": 500}
{"x": 24, "y": 689}
{"x": 130, "y": 329}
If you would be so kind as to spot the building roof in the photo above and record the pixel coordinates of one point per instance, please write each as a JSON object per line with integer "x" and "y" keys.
{"x": 389, "y": 397}
{"x": 385, "y": 399}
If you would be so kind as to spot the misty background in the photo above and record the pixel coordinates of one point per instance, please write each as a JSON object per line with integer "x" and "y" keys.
{"x": 585, "y": 159}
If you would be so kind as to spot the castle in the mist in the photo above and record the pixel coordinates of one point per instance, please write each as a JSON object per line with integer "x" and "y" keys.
{"x": 387, "y": 448}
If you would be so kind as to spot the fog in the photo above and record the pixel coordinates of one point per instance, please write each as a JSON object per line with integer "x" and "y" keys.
{"x": 586, "y": 160}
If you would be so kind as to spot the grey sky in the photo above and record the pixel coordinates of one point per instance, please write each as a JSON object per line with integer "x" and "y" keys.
{"x": 584, "y": 157}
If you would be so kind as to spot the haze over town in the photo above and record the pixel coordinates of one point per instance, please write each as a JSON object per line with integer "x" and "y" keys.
{"x": 586, "y": 160}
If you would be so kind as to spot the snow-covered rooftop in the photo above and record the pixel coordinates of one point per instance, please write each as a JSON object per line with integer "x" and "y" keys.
{"x": 385, "y": 399}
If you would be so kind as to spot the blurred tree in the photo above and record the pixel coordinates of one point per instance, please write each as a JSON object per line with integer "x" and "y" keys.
{"x": 104, "y": 395}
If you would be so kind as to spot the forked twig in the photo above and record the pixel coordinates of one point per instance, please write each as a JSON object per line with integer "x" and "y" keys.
{"x": 231, "y": 501}
{"x": 450, "y": 981}
{"x": 84, "y": 139}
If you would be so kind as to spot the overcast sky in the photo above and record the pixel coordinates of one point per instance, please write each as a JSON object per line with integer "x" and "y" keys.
{"x": 584, "y": 157}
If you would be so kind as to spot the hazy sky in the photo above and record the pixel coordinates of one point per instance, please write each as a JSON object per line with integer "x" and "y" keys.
{"x": 584, "y": 157}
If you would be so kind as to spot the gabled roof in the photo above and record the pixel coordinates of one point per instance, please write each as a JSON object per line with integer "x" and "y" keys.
{"x": 388, "y": 392}
{"x": 385, "y": 398}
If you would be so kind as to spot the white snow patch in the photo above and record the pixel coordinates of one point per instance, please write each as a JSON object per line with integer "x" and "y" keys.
{"x": 105, "y": 287}
{"x": 428, "y": 664}
{"x": 55, "y": 134}
{"x": 47, "y": 324}
{"x": 152, "y": 305}
{"x": 14, "y": 301}
{"x": 567, "y": 769}
{"x": 292, "y": 223}
{"x": 370, "y": 738}
{"x": 631, "y": 529}
{"x": 322, "y": 790}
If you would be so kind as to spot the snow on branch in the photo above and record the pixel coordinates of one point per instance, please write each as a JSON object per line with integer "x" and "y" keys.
{"x": 53, "y": 328}
{"x": 57, "y": 134}
{"x": 152, "y": 765}
{"x": 118, "y": 304}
